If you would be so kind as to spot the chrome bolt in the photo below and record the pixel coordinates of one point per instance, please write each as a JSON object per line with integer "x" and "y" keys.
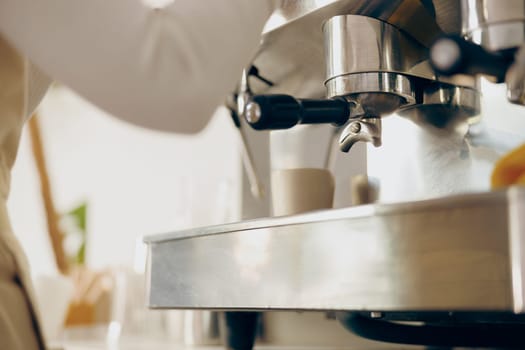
{"x": 355, "y": 127}
{"x": 252, "y": 112}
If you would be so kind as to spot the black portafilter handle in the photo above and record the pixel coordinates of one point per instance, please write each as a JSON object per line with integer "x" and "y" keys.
{"x": 274, "y": 112}
{"x": 452, "y": 54}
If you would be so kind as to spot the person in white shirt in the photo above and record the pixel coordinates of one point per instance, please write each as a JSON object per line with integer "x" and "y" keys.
{"x": 165, "y": 69}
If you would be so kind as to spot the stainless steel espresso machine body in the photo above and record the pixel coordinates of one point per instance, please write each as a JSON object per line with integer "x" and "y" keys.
{"x": 439, "y": 248}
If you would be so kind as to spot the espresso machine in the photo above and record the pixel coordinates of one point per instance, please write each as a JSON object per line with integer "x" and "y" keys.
{"x": 439, "y": 259}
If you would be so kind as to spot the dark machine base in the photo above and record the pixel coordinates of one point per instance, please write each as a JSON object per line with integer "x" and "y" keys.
{"x": 440, "y": 330}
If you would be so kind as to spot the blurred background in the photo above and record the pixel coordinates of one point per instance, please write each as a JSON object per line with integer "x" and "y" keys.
{"x": 134, "y": 181}
{"x": 120, "y": 183}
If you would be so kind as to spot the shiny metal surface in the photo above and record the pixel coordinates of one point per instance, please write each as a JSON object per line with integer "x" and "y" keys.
{"x": 445, "y": 106}
{"x": 381, "y": 70}
{"x": 448, "y": 15}
{"x": 408, "y": 15}
{"x": 361, "y": 130}
{"x": 257, "y": 187}
{"x": 291, "y": 54}
{"x": 517, "y": 255}
{"x": 480, "y": 13}
{"x": 244, "y": 95}
{"x": 515, "y": 78}
{"x": 494, "y": 24}
{"x": 366, "y": 90}
{"x": 449, "y": 254}
{"x": 252, "y": 112}
{"x": 358, "y": 44}
{"x": 453, "y": 96}
{"x": 499, "y": 36}
{"x": 381, "y": 94}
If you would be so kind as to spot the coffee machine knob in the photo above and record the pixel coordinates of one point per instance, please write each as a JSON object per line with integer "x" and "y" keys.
{"x": 452, "y": 54}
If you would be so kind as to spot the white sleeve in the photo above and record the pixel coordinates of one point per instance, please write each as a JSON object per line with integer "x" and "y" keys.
{"x": 165, "y": 69}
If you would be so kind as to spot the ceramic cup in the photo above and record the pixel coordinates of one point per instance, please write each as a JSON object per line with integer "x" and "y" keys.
{"x": 301, "y": 190}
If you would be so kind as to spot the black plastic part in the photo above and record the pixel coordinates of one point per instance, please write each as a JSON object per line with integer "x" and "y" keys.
{"x": 241, "y": 330}
{"x": 472, "y": 59}
{"x": 460, "y": 335}
{"x": 284, "y": 112}
{"x": 324, "y": 111}
{"x": 277, "y": 112}
{"x": 254, "y": 72}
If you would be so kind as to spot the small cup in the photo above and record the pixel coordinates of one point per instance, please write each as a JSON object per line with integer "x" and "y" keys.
{"x": 364, "y": 189}
{"x": 301, "y": 190}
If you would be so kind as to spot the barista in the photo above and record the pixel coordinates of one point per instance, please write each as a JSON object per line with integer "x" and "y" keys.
{"x": 164, "y": 69}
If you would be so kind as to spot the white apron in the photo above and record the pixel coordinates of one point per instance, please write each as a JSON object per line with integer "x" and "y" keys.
{"x": 19, "y": 328}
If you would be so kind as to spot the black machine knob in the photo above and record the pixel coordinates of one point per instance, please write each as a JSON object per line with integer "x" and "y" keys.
{"x": 272, "y": 112}
{"x": 452, "y": 54}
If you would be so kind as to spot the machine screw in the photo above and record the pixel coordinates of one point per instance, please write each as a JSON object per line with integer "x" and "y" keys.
{"x": 355, "y": 127}
{"x": 252, "y": 112}
{"x": 363, "y": 130}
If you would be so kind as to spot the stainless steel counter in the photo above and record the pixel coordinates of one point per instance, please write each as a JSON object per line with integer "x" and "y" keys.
{"x": 460, "y": 253}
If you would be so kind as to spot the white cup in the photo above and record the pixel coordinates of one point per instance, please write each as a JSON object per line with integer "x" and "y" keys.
{"x": 301, "y": 190}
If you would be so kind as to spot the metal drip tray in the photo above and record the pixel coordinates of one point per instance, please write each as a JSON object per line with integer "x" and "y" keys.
{"x": 460, "y": 253}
